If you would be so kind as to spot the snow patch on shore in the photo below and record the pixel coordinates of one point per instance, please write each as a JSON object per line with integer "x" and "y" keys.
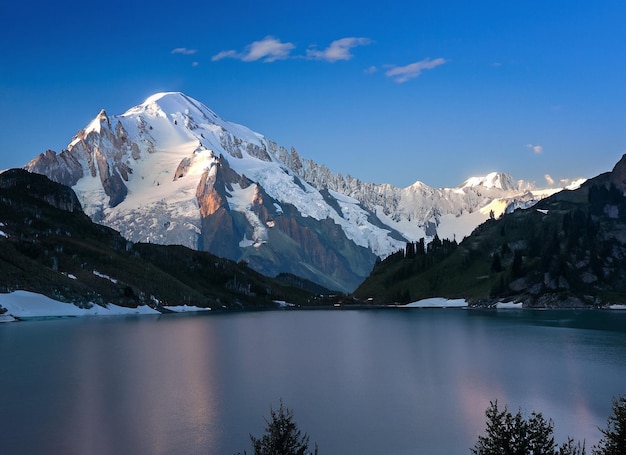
{"x": 437, "y": 302}
{"x": 24, "y": 304}
{"x": 509, "y": 306}
{"x": 186, "y": 308}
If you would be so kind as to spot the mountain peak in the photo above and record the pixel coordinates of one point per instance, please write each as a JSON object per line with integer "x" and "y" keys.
{"x": 498, "y": 180}
{"x": 160, "y": 95}
{"x": 171, "y": 104}
{"x": 97, "y": 122}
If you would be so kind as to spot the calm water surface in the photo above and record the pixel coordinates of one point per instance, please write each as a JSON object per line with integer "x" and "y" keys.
{"x": 359, "y": 382}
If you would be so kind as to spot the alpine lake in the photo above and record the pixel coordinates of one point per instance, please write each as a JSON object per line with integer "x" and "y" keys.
{"x": 373, "y": 381}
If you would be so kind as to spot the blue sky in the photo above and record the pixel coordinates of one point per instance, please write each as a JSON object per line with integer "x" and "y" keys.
{"x": 389, "y": 92}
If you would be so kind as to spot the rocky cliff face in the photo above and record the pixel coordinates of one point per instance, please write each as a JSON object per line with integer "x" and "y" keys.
{"x": 171, "y": 171}
{"x": 98, "y": 151}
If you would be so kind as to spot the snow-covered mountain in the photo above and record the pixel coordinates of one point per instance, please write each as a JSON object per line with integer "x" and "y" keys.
{"x": 171, "y": 171}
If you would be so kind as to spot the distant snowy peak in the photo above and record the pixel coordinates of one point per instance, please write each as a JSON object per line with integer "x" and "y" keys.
{"x": 575, "y": 184}
{"x": 498, "y": 180}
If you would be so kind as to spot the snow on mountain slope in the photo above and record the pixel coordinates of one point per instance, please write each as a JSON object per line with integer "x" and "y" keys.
{"x": 497, "y": 180}
{"x": 171, "y": 171}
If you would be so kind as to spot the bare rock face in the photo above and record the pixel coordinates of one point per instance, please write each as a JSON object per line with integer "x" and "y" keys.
{"x": 219, "y": 231}
{"x": 183, "y": 168}
{"x": 112, "y": 182}
{"x": 64, "y": 168}
{"x": 212, "y": 188}
{"x": 99, "y": 151}
{"x": 209, "y": 200}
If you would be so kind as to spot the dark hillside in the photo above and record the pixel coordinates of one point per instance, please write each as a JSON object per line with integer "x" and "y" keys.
{"x": 569, "y": 250}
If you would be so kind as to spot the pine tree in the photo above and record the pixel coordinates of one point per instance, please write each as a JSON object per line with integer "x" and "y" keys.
{"x": 282, "y": 436}
{"x": 496, "y": 263}
{"x": 409, "y": 251}
{"x": 569, "y": 448}
{"x": 516, "y": 265}
{"x": 614, "y": 440}
{"x": 508, "y": 434}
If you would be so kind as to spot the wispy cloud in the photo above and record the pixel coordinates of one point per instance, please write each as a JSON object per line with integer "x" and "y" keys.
{"x": 225, "y": 54}
{"x": 184, "y": 51}
{"x": 549, "y": 179}
{"x": 537, "y": 149}
{"x": 401, "y": 74}
{"x": 269, "y": 49}
{"x": 370, "y": 70}
{"x": 338, "y": 49}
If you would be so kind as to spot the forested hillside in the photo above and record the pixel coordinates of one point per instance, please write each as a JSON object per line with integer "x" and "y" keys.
{"x": 569, "y": 250}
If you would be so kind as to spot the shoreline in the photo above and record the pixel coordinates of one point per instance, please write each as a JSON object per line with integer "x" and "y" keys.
{"x": 29, "y": 306}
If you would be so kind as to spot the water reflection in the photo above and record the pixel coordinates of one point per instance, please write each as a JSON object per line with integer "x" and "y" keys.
{"x": 364, "y": 382}
{"x": 130, "y": 387}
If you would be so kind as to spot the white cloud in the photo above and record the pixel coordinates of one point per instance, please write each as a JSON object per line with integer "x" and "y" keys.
{"x": 195, "y": 64}
{"x": 537, "y": 149}
{"x": 402, "y": 74}
{"x": 269, "y": 49}
{"x": 549, "y": 179}
{"x": 371, "y": 70}
{"x": 225, "y": 54}
{"x": 184, "y": 51}
{"x": 338, "y": 49}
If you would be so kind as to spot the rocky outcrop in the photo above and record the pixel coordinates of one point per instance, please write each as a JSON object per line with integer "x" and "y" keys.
{"x": 40, "y": 187}
{"x": 63, "y": 168}
{"x": 98, "y": 151}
